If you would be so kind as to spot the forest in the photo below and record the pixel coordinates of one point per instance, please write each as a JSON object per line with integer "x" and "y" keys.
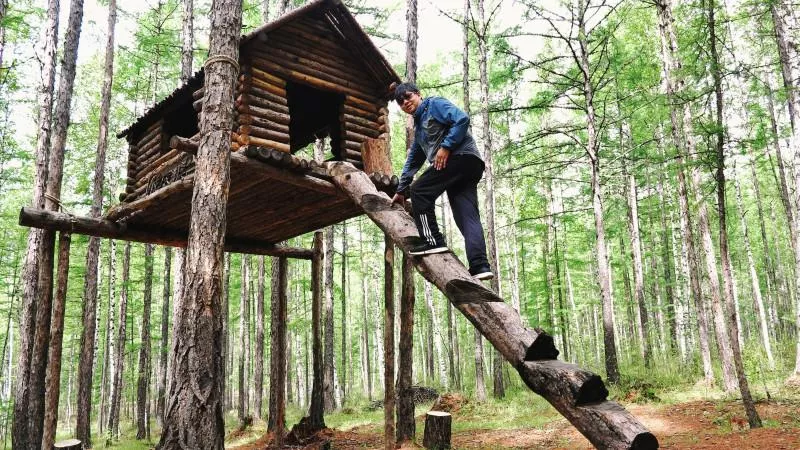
{"x": 641, "y": 203}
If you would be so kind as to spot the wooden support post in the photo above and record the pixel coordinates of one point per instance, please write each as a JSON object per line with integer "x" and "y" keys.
{"x": 388, "y": 344}
{"x": 317, "y": 409}
{"x": 406, "y": 428}
{"x": 437, "y": 430}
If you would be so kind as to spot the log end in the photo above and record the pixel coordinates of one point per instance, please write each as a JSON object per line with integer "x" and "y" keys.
{"x": 644, "y": 441}
{"x": 542, "y": 348}
{"x": 592, "y": 390}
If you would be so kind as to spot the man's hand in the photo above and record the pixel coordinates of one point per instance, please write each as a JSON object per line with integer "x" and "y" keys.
{"x": 398, "y": 198}
{"x": 440, "y": 161}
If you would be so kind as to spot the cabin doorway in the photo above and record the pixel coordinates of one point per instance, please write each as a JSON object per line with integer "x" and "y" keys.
{"x": 313, "y": 113}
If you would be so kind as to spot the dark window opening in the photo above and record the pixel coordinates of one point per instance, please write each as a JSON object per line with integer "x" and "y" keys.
{"x": 313, "y": 114}
{"x": 183, "y": 121}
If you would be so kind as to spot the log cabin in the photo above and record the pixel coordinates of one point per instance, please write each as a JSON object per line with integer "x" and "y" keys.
{"x": 313, "y": 73}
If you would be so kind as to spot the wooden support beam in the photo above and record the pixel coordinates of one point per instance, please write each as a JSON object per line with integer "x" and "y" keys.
{"x": 52, "y": 220}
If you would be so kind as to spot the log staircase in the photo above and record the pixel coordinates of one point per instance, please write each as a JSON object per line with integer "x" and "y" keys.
{"x": 579, "y": 395}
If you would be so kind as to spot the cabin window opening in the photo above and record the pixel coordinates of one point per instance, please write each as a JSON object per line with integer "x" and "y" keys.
{"x": 314, "y": 113}
{"x": 183, "y": 122}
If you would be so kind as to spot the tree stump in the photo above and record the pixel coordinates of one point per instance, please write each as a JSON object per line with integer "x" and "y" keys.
{"x": 69, "y": 444}
{"x": 437, "y": 430}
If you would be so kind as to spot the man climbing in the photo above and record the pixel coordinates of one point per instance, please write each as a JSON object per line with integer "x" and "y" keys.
{"x": 442, "y": 136}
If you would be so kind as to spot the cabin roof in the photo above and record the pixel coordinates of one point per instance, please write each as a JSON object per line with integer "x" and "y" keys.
{"x": 338, "y": 18}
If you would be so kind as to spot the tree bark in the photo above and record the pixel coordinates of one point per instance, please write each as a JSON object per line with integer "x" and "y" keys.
{"x": 638, "y": 271}
{"x": 44, "y": 294}
{"x": 328, "y": 379}
{"x": 406, "y": 428}
{"x": 194, "y": 410}
{"x": 388, "y": 345}
{"x": 683, "y": 137}
{"x": 316, "y": 410}
{"x": 187, "y": 40}
{"x": 119, "y": 351}
{"x": 109, "y": 358}
{"x": 277, "y": 385}
{"x": 592, "y": 147}
{"x": 259, "y": 357}
{"x": 758, "y": 302}
{"x": 22, "y": 388}
{"x": 346, "y": 367}
{"x": 164, "y": 341}
{"x": 244, "y": 324}
{"x": 53, "y": 380}
{"x": 143, "y": 379}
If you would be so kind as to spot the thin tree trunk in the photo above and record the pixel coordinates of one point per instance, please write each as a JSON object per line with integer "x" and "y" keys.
{"x": 638, "y": 271}
{"x": 683, "y": 138}
{"x": 317, "y": 408}
{"x": 109, "y": 359}
{"x": 225, "y": 353}
{"x": 388, "y": 346}
{"x": 244, "y": 312}
{"x": 328, "y": 379}
{"x": 22, "y": 389}
{"x": 603, "y": 269}
{"x": 164, "y": 342}
{"x": 119, "y": 351}
{"x": 187, "y": 40}
{"x": 259, "y": 363}
{"x": 277, "y": 384}
{"x": 194, "y": 410}
{"x": 365, "y": 316}
{"x": 53, "y": 381}
{"x": 143, "y": 382}
{"x": 406, "y": 428}
{"x": 345, "y": 359}
{"x": 758, "y": 302}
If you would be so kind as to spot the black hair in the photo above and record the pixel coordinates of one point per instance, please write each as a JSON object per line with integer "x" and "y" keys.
{"x": 402, "y": 89}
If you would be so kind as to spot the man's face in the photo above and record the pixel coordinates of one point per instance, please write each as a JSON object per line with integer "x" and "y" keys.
{"x": 411, "y": 101}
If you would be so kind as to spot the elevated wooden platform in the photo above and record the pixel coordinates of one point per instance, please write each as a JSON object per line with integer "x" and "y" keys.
{"x": 267, "y": 203}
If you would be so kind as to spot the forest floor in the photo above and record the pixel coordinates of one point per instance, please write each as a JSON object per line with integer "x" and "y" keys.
{"x": 718, "y": 423}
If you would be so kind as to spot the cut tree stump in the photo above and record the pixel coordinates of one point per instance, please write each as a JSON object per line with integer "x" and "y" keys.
{"x": 69, "y": 444}
{"x": 437, "y": 430}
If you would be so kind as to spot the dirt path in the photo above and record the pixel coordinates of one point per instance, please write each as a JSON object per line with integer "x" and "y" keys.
{"x": 693, "y": 425}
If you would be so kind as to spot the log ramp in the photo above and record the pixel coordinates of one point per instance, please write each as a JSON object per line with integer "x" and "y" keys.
{"x": 579, "y": 395}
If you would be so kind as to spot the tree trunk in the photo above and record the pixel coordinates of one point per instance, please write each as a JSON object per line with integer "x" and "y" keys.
{"x": 119, "y": 351}
{"x": 108, "y": 351}
{"x": 406, "y": 428}
{"x": 259, "y": 357}
{"x": 164, "y": 342}
{"x": 603, "y": 269}
{"x": 22, "y": 388}
{"x": 638, "y": 271}
{"x": 277, "y": 376}
{"x": 388, "y": 345}
{"x": 328, "y": 379}
{"x": 44, "y": 294}
{"x": 316, "y": 411}
{"x": 187, "y": 40}
{"x": 53, "y": 380}
{"x": 244, "y": 324}
{"x": 143, "y": 381}
{"x": 345, "y": 360}
{"x": 758, "y": 302}
{"x": 225, "y": 353}
{"x": 194, "y": 411}
{"x": 683, "y": 137}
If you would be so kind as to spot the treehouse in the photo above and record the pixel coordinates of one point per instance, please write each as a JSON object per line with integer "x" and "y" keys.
{"x": 312, "y": 73}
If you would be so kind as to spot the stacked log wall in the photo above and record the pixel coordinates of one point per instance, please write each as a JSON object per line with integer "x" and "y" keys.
{"x": 304, "y": 51}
